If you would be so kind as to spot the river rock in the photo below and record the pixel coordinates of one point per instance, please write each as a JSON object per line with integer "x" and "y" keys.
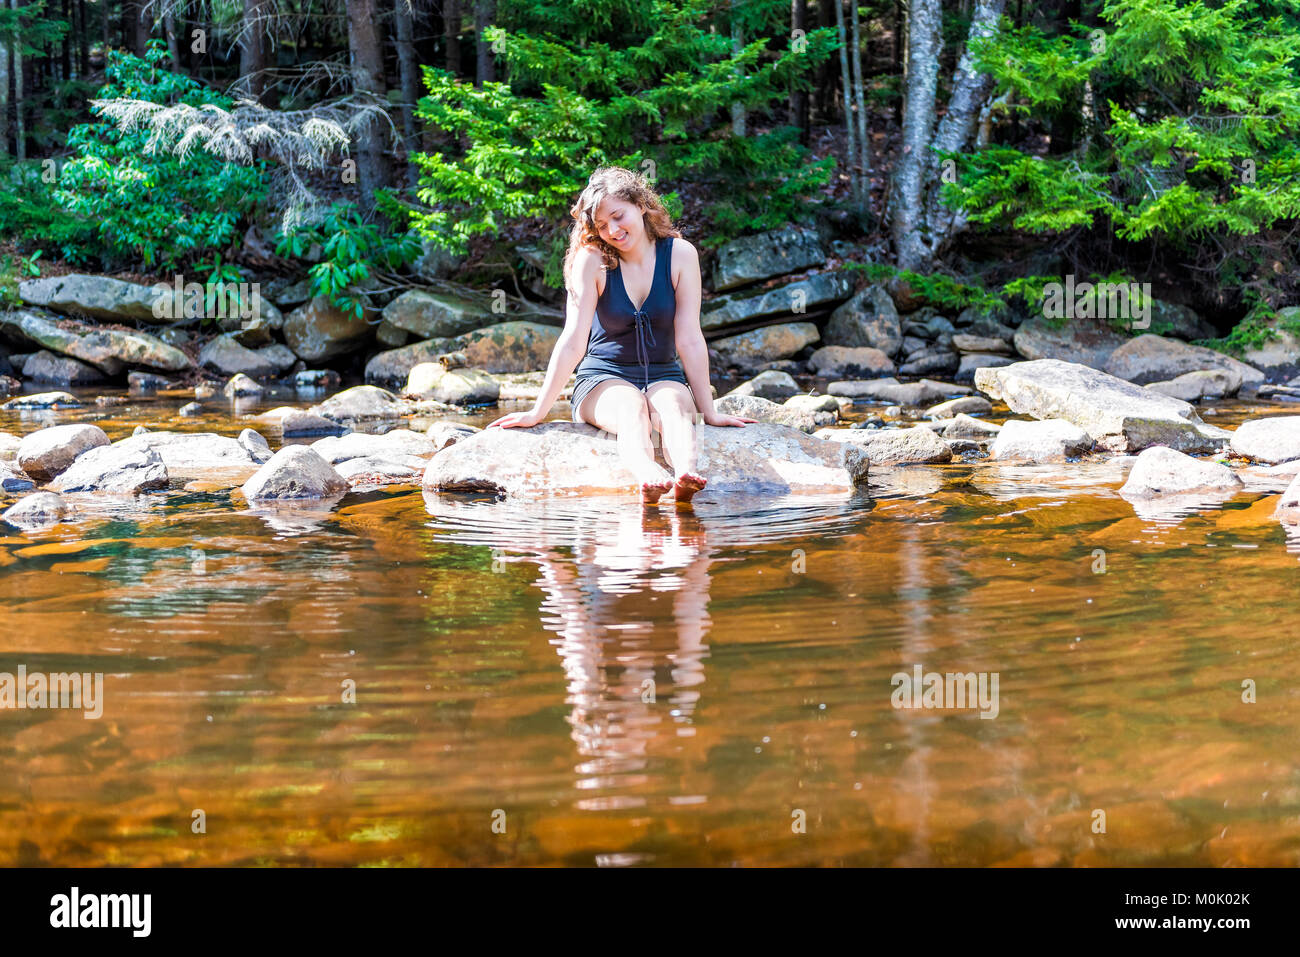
{"x": 963, "y": 426}
{"x": 972, "y": 361}
{"x": 147, "y": 382}
{"x": 45, "y": 366}
{"x": 443, "y": 434}
{"x": 1088, "y": 342}
{"x": 196, "y": 455}
{"x": 517, "y": 346}
{"x": 1047, "y": 440}
{"x": 964, "y": 343}
{"x": 1288, "y": 506}
{"x": 1150, "y": 358}
{"x": 320, "y": 331}
{"x": 1163, "y": 471}
{"x": 360, "y": 403}
{"x": 914, "y": 446}
{"x": 47, "y": 452}
{"x": 970, "y": 404}
{"x": 791, "y": 298}
{"x": 565, "y": 458}
{"x": 774, "y": 253}
{"x": 12, "y": 479}
{"x": 292, "y": 421}
{"x": 899, "y": 393}
{"x": 241, "y": 385}
{"x": 97, "y": 297}
{"x": 9, "y": 446}
{"x": 850, "y": 362}
{"x": 43, "y": 400}
{"x": 259, "y": 450}
{"x": 370, "y": 472}
{"x": 294, "y": 473}
{"x": 115, "y": 470}
{"x": 190, "y": 409}
{"x": 37, "y": 509}
{"x": 753, "y": 407}
{"x": 936, "y": 360}
{"x": 1120, "y": 416}
{"x": 813, "y": 404}
{"x": 310, "y": 379}
{"x": 109, "y": 350}
{"x": 431, "y": 380}
{"x": 782, "y": 341}
{"x": 259, "y": 330}
{"x": 771, "y": 385}
{"x": 1272, "y": 440}
{"x": 436, "y": 262}
{"x": 430, "y": 315}
{"x": 397, "y": 445}
{"x": 1179, "y": 321}
{"x": 1201, "y": 384}
{"x": 870, "y": 320}
{"x": 1279, "y": 357}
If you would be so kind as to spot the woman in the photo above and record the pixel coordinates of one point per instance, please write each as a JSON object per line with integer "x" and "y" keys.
{"x": 623, "y": 250}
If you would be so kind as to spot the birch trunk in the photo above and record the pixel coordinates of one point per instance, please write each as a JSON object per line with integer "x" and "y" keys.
{"x": 920, "y": 82}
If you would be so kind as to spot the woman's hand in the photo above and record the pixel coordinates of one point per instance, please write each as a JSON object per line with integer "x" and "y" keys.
{"x": 717, "y": 418}
{"x": 518, "y": 420}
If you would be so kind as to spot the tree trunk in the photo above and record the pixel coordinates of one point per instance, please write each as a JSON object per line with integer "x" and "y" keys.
{"x": 83, "y": 37}
{"x": 920, "y": 82}
{"x": 451, "y": 34}
{"x": 367, "y": 63}
{"x": 20, "y": 131}
{"x": 799, "y": 98}
{"x": 6, "y": 54}
{"x": 485, "y": 68}
{"x": 860, "y": 107}
{"x": 252, "y": 48}
{"x": 850, "y": 128}
{"x": 409, "y": 71}
{"x": 824, "y": 95}
{"x": 737, "y": 47}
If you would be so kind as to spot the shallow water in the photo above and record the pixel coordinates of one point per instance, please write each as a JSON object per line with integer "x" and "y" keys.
{"x": 576, "y": 683}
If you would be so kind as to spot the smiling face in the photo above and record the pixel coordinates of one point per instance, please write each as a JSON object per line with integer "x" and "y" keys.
{"x": 619, "y": 222}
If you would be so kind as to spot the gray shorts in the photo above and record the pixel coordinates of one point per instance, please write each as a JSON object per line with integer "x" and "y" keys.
{"x": 592, "y": 371}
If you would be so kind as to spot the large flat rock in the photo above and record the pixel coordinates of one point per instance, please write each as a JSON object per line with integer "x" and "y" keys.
{"x": 1120, "y": 416}
{"x": 565, "y": 458}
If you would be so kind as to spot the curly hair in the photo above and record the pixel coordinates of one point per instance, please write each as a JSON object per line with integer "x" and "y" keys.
{"x": 624, "y": 184}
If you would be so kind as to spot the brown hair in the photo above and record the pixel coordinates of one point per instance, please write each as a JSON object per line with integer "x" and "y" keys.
{"x": 624, "y": 184}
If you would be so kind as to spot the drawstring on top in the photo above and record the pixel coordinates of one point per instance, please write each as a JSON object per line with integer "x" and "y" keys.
{"x": 645, "y": 338}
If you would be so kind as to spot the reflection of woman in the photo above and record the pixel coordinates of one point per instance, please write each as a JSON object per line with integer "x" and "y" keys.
{"x": 623, "y": 250}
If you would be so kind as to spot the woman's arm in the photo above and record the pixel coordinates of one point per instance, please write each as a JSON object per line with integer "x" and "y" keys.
{"x": 570, "y": 347}
{"x": 689, "y": 337}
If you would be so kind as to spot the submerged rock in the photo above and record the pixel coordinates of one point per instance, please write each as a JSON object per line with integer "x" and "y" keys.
{"x": 564, "y": 458}
{"x": 1119, "y": 415}
{"x": 37, "y": 509}
{"x": 370, "y": 471}
{"x": 1164, "y": 471}
{"x": 1047, "y": 440}
{"x": 47, "y": 452}
{"x": 295, "y": 473}
{"x": 114, "y": 469}
{"x": 914, "y": 446}
{"x": 970, "y": 404}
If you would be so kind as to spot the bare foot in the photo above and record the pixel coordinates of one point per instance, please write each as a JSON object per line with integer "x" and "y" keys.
{"x": 687, "y": 484}
{"x": 651, "y": 492}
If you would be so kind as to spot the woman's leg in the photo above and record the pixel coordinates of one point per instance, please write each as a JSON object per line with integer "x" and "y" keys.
{"x": 619, "y": 408}
{"x": 675, "y": 411}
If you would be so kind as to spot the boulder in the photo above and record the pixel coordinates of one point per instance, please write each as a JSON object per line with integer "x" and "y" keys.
{"x": 970, "y": 404}
{"x": 770, "y": 342}
{"x": 397, "y": 445}
{"x": 1201, "y": 384}
{"x": 98, "y": 297}
{"x": 850, "y": 362}
{"x": 774, "y": 253}
{"x": 1151, "y": 358}
{"x": 296, "y": 422}
{"x": 870, "y": 320}
{"x": 1120, "y": 416}
{"x": 962, "y": 426}
{"x": 1288, "y": 506}
{"x": 259, "y": 330}
{"x": 45, "y": 366}
{"x": 771, "y": 385}
{"x": 361, "y": 403}
{"x": 1088, "y": 342}
{"x": 972, "y": 361}
{"x": 258, "y": 448}
{"x": 37, "y": 509}
{"x": 319, "y": 331}
{"x": 190, "y": 409}
{"x": 113, "y": 469}
{"x": 443, "y": 434}
{"x": 1048, "y": 440}
{"x": 430, "y": 315}
{"x": 294, "y": 473}
{"x": 369, "y": 472}
{"x": 1168, "y": 318}
{"x": 435, "y": 262}
{"x": 813, "y": 404}
{"x": 1279, "y": 357}
{"x": 196, "y": 455}
{"x": 1163, "y": 471}
{"x": 311, "y": 379}
{"x": 241, "y": 386}
{"x": 791, "y": 298}
{"x": 47, "y": 452}
{"x": 935, "y": 360}
{"x": 12, "y": 479}
{"x": 9, "y": 446}
{"x": 148, "y": 382}
{"x": 431, "y": 380}
{"x": 890, "y": 390}
{"x": 43, "y": 400}
{"x": 225, "y": 355}
{"x": 564, "y": 458}
{"x": 1272, "y": 440}
{"x": 966, "y": 343}
{"x": 516, "y": 346}
{"x": 109, "y": 350}
{"x": 914, "y": 446}
{"x": 753, "y": 407}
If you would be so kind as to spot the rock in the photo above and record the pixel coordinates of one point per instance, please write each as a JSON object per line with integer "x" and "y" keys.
{"x": 1164, "y": 471}
{"x": 971, "y": 361}
{"x": 517, "y": 346}
{"x": 204, "y": 391}
{"x": 9, "y": 385}
{"x": 113, "y": 469}
{"x": 97, "y": 297}
{"x": 389, "y": 336}
{"x": 397, "y": 445}
{"x": 37, "y": 509}
{"x": 294, "y": 422}
{"x": 196, "y": 455}
{"x": 107, "y": 400}
{"x": 758, "y": 345}
{"x": 360, "y": 403}
{"x": 430, "y": 380}
{"x": 972, "y": 404}
{"x": 1288, "y": 506}
{"x": 377, "y": 472}
{"x": 443, "y": 434}
{"x": 1169, "y": 318}
{"x": 316, "y": 379}
{"x": 791, "y": 298}
{"x": 1279, "y": 357}
{"x": 147, "y": 382}
{"x": 1149, "y": 358}
{"x": 963, "y": 426}
{"x": 430, "y": 315}
{"x": 286, "y": 294}
{"x": 774, "y": 253}
{"x": 965, "y": 343}
{"x": 258, "y": 330}
{"x": 891, "y": 390}
{"x": 929, "y": 326}
{"x": 753, "y": 407}
{"x": 852, "y": 362}
{"x": 278, "y": 356}
{"x": 436, "y": 262}
{"x": 564, "y": 458}
{"x": 294, "y": 473}
{"x": 914, "y": 446}
{"x": 979, "y": 321}
{"x": 1201, "y": 384}
{"x": 1088, "y": 342}
{"x": 9, "y": 446}
{"x": 109, "y": 350}
{"x": 139, "y": 430}
{"x": 526, "y": 386}
{"x": 13, "y": 480}
{"x": 771, "y": 385}
{"x": 1120, "y": 416}
{"x": 43, "y": 400}
{"x": 319, "y": 331}
{"x": 936, "y": 361}
{"x": 255, "y": 444}
{"x": 813, "y": 404}
{"x": 868, "y": 320}
{"x": 1272, "y": 440}
{"x": 47, "y": 452}
{"x": 45, "y": 366}
{"x": 190, "y": 409}
{"x": 1048, "y": 440}
{"x": 241, "y": 385}
{"x": 791, "y": 367}
{"x": 225, "y": 355}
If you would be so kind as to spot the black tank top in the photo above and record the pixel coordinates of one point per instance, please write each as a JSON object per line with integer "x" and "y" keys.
{"x": 626, "y": 335}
